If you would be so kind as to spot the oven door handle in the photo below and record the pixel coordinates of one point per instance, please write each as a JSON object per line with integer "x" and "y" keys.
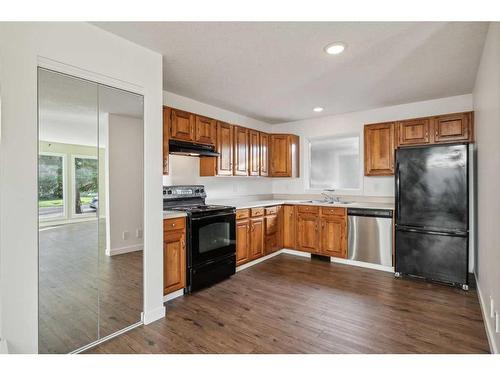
{"x": 212, "y": 216}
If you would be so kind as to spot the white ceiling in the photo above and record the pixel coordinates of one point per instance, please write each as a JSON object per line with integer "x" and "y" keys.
{"x": 69, "y": 107}
{"x": 277, "y": 72}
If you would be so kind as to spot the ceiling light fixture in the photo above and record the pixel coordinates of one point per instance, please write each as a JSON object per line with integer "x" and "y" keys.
{"x": 335, "y": 48}
{"x": 317, "y": 109}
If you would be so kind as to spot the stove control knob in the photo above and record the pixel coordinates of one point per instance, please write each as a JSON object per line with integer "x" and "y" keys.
{"x": 202, "y": 191}
{"x": 169, "y": 192}
{"x": 197, "y": 191}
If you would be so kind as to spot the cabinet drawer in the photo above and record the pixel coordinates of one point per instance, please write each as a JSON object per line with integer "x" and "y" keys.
{"x": 257, "y": 211}
{"x": 174, "y": 224}
{"x": 308, "y": 209}
{"x": 333, "y": 211}
{"x": 242, "y": 214}
{"x": 271, "y": 210}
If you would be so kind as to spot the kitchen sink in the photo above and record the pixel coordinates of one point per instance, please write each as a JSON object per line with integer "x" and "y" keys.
{"x": 319, "y": 201}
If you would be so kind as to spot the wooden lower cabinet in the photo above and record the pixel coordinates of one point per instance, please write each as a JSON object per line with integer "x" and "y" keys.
{"x": 174, "y": 255}
{"x": 333, "y": 236}
{"x": 256, "y": 237}
{"x": 273, "y": 229}
{"x": 308, "y": 232}
{"x": 289, "y": 224}
{"x": 242, "y": 241}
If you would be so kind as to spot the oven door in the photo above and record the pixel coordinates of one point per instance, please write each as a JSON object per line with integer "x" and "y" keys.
{"x": 212, "y": 237}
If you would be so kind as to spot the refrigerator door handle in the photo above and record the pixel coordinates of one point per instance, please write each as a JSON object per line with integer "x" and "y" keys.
{"x": 424, "y": 231}
{"x": 398, "y": 193}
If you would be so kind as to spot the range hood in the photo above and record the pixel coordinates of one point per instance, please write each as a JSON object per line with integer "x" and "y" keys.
{"x": 190, "y": 149}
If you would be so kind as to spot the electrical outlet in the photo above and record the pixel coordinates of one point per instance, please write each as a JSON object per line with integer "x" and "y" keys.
{"x": 125, "y": 235}
{"x": 492, "y": 307}
{"x": 497, "y": 322}
{"x": 138, "y": 233}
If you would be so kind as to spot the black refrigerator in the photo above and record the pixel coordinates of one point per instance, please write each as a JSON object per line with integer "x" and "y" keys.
{"x": 432, "y": 213}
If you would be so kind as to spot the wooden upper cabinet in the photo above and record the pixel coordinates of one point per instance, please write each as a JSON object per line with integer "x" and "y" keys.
{"x": 166, "y": 137}
{"x": 254, "y": 152}
{"x": 182, "y": 125}
{"x": 453, "y": 128}
{"x": 284, "y": 155}
{"x": 242, "y": 241}
{"x": 414, "y": 132}
{"x": 256, "y": 237}
{"x": 289, "y": 221}
{"x": 379, "y": 149}
{"x": 205, "y": 130}
{"x": 264, "y": 154}
{"x": 333, "y": 236}
{"x": 225, "y": 149}
{"x": 308, "y": 232}
{"x": 240, "y": 154}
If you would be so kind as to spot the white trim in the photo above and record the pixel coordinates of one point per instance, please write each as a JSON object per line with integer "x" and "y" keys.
{"x": 256, "y": 261}
{"x": 109, "y": 337}
{"x": 490, "y": 329}
{"x": 65, "y": 199}
{"x": 74, "y": 215}
{"x": 125, "y": 249}
{"x": 153, "y": 315}
{"x": 357, "y": 263}
{"x": 4, "y": 348}
{"x": 173, "y": 295}
{"x": 296, "y": 253}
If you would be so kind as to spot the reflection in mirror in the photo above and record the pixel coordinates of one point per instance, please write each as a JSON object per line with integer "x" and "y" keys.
{"x": 90, "y": 197}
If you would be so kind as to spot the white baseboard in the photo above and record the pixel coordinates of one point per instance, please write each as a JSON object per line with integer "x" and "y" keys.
{"x": 256, "y": 261}
{"x": 356, "y": 263}
{"x": 4, "y": 349}
{"x": 171, "y": 296}
{"x": 490, "y": 329}
{"x": 295, "y": 252}
{"x": 153, "y": 315}
{"x": 125, "y": 249}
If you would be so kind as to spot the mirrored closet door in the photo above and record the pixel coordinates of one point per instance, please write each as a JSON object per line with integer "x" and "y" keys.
{"x": 90, "y": 199}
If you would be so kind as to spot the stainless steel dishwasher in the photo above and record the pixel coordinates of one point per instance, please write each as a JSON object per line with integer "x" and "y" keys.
{"x": 370, "y": 235}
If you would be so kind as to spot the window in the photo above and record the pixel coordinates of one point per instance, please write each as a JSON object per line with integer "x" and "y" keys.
{"x": 51, "y": 186}
{"x": 85, "y": 182}
{"x": 334, "y": 163}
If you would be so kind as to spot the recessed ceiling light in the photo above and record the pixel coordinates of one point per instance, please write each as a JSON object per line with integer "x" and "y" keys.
{"x": 335, "y": 48}
{"x": 317, "y": 109}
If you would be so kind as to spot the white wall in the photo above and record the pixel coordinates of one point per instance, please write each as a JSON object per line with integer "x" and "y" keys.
{"x": 124, "y": 182}
{"x": 186, "y": 170}
{"x": 87, "y": 51}
{"x": 487, "y": 122}
{"x": 352, "y": 123}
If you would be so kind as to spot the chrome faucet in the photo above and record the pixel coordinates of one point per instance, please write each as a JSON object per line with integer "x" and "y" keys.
{"x": 329, "y": 195}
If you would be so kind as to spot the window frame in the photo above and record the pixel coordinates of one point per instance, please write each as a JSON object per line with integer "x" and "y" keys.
{"x": 63, "y": 156}
{"x": 339, "y": 191}
{"x": 74, "y": 215}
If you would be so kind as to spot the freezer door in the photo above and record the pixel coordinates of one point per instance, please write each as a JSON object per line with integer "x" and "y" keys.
{"x": 432, "y": 187}
{"x": 433, "y": 255}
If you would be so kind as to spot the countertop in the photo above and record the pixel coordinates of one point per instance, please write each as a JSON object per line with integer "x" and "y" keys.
{"x": 242, "y": 203}
{"x": 173, "y": 214}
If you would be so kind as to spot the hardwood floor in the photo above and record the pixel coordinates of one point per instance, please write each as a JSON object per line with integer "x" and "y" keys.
{"x": 291, "y": 304}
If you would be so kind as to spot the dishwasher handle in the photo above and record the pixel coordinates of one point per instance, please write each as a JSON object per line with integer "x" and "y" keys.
{"x": 369, "y": 212}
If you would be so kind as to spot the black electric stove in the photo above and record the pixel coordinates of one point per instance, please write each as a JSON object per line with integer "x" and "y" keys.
{"x": 211, "y": 235}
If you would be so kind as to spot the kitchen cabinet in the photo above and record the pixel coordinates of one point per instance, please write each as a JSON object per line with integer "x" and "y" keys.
{"x": 174, "y": 255}
{"x": 379, "y": 149}
{"x": 242, "y": 241}
{"x": 205, "y": 130}
{"x": 284, "y": 155}
{"x": 264, "y": 154}
{"x": 256, "y": 237}
{"x": 414, "y": 132}
{"x": 272, "y": 229}
{"x": 333, "y": 232}
{"x": 254, "y": 152}
{"x": 453, "y": 128}
{"x": 181, "y": 125}
{"x": 223, "y": 164}
{"x": 308, "y": 229}
{"x": 241, "y": 157}
{"x": 166, "y": 137}
{"x": 289, "y": 224}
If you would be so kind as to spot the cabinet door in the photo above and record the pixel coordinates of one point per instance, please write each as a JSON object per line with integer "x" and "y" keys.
{"x": 254, "y": 152}
{"x": 289, "y": 224}
{"x": 453, "y": 128}
{"x": 308, "y": 232}
{"x": 174, "y": 261}
{"x": 205, "y": 130}
{"x": 256, "y": 237}
{"x": 280, "y": 155}
{"x": 240, "y": 151}
{"x": 166, "y": 134}
{"x": 333, "y": 236}
{"x": 181, "y": 125}
{"x": 414, "y": 132}
{"x": 379, "y": 149}
{"x": 264, "y": 154}
{"x": 242, "y": 241}
{"x": 225, "y": 149}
